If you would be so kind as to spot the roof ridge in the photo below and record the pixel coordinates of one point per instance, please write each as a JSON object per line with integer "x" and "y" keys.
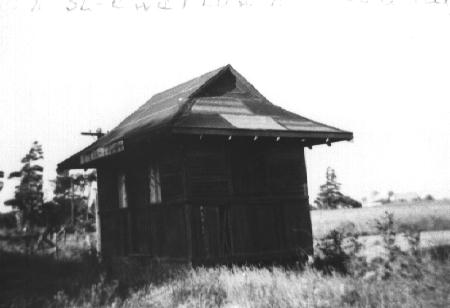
{"x": 221, "y": 71}
{"x": 247, "y": 83}
{"x": 191, "y": 101}
{"x": 139, "y": 109}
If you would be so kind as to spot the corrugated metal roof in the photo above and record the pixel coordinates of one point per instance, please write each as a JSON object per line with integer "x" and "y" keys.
{"x": 221, "y": 101}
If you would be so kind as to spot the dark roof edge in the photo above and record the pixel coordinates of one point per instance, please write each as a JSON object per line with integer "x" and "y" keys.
{"x": 333, "y": 136}
{"x": 73, "y": 162}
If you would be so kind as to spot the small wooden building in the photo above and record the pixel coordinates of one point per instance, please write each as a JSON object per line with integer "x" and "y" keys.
{"x": 209, "y": 171}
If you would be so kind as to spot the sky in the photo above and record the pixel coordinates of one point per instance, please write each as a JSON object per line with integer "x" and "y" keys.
{"x": 379, "y": 70}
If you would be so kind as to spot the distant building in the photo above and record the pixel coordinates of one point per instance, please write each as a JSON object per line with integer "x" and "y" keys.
{"x": 405, "y": 197}
{"x": 375, "y": 199}
{"x": 371, "y": 203}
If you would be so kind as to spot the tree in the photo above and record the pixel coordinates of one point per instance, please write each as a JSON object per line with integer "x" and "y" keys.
{"x": 2, "y": 174}
{"x": 72, "y": 192}
{"x": 28, "y": 197}
{"x": 68, "y": 211}
{"x": 429, "y": 197}
{"x": 330, "y": 196}
{"x": 390, "y": 195}
{"x": 329, "y": 193}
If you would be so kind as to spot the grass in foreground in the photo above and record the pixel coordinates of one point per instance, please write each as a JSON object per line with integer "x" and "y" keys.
{"x": 274, "y": 287}
{"x": 397, "y": 279}
{"x": 46, "y": 282}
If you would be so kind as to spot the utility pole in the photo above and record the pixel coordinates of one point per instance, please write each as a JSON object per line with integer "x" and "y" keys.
{"x": 98, "y": 133}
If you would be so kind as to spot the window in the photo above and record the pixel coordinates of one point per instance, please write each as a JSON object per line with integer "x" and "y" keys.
{"x": 121, "y": 186}
{"x": 154, "y": 184}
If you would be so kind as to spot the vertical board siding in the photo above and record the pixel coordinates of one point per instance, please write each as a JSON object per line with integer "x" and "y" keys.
{"x": 122, "y": 225}
{"x": 107, "y": 224}
{"x": 211, "y": 232}
{"x": 174, "y": 244}
{"x": 108, "y": 200}
{"x": 207, "y": 175}
{"x": 142, "y": 239}
{"x": 171, "y": 173}
{"x": 107, "y": 188}
{"x": 249, "y": 173}
{"x": 266, "y": 232}
{"x": 298, "y": 228}
{"x": 221, "y": 201}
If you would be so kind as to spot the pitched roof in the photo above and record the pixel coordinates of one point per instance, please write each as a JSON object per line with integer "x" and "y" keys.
{"x": 218, "y": 102}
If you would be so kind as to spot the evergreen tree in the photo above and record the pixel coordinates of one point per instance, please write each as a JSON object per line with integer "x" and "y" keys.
{"x": 330, "y": 196}
{"x": 2, "y": 174}
{"x": 28, "y": 197}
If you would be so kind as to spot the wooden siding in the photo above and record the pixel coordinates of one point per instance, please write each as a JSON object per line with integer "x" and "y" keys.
{"x": 206, "y": 171}
{"x": 222, "y": 201}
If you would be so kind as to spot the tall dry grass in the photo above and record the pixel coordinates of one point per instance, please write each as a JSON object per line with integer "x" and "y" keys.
{"x": 274, "y": 287}
{"x": 399, "y": 279}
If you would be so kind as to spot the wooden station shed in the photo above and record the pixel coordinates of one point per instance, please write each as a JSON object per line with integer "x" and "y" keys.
{"x": 206, "y": 172}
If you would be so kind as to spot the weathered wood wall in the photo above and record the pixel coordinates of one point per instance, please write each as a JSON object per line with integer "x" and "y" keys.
{"x": 221, "y": 201}
{"x": 254, "y": 202}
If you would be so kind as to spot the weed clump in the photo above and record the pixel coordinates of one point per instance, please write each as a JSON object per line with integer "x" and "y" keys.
{"x": 398, "y": 254}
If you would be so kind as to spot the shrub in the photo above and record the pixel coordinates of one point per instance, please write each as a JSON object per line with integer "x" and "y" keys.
{"x": 99, "y": 294}
{"x": 340, "y": 251}
{"x": 336, "y": 249}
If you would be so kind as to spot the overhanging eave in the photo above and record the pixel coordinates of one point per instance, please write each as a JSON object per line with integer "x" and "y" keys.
{"x": 308, "y": 135}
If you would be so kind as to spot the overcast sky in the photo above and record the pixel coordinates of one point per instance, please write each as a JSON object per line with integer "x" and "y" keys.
{"x": 381, "y": 71}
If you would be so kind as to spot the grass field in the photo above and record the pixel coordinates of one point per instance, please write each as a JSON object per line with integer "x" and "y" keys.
{"x": 420, "y": 216}
{"x": 42, "y": 282}
{"x": 76, "y": 279}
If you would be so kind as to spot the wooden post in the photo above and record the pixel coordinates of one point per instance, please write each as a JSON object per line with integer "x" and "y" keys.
{"x": 187, "y": 216}
{"x": 72, "y": 205}
{"x": 129, "y": 238}
{"x": 187, "y": 206}
{"x": 97, "y": 224}
{"x": 229, "y": 204}
{"x": 55, "y": 240}
{"x": 89, "y": 198}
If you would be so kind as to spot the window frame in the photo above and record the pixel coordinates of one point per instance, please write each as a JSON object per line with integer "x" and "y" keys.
{"x": 154, "y": 184}
{"x": 122, "y": 196}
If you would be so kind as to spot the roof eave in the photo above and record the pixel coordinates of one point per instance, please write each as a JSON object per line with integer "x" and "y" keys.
{"x": 73, "y": 162}
{"x": 331, "y": 136}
